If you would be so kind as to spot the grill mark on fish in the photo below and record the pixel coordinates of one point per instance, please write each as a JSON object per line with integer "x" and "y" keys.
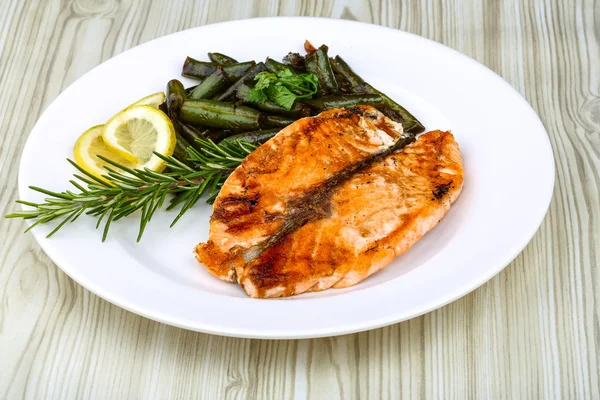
{"x": 315, "y": 204}
{"x": 441, "y": 190}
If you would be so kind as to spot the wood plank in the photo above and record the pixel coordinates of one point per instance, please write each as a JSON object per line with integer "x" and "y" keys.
{"x": 530, "y": 332}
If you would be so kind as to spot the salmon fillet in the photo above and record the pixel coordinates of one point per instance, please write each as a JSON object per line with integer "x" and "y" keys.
{"x": 376, "y": 215}
{"x": 286, "y": 182}
{"x": 329, "y": 201}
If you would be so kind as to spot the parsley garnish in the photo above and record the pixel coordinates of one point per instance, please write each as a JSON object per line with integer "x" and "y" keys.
{"x": 283, "y": 88}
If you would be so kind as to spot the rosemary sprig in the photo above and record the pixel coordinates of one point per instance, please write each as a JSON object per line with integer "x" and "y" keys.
{"x": 124, "y": 190}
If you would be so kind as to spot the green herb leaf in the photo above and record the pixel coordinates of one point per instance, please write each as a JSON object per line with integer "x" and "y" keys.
{"x": 264, "y": 79}
{"x": 283, "y": 88}
{"x": 257, "y": 96}
{"x": 282, "y": 96}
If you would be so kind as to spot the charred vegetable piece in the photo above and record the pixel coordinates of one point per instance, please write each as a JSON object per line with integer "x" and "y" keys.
{"x": 221, "y": 59}
{"x": 190, "y": 89}
{"x": 217, "y": 114}
{"x": 344, "y": 101}
{"x": 295, "y": 61}
{"x": 246, "y": 78}
{"x": 235, "y": 71}
{"x": 211, "y": 86}
{"x": 344, "y": 85}
{"x": 341, "y": 67}
{"x": 317, "y": 62}
{"x": 175, "y": 97}
{"x": 189, "y": 133}
{"x": 180, "y": 152}
{"x": 275, "y": 121}
{"x": 308, "y": 47}
{"x": 254, "y": 137}
{"x": 201, "y": 69}
{"x": 275, "y": 66}
{"x": 197, "y": 69}
{"x": 217, "y": 135}
{"x": 409, "y": 122}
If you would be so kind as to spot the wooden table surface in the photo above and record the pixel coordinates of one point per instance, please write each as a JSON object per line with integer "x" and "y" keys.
{"x": 531, "y": 332}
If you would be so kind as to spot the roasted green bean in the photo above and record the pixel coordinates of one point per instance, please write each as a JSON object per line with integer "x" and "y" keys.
{"x": 294, "y": 60}
{"x": 317, "y": 62}
{"x": 175, "y": 97}
{"x": 216, "y": 135}
{"x": 408, "y": 121}
{"x": 189, "y": 133}
{"x": 217, "y": 114}
{"x": 275, "y": 121}
{"x": 201, "y": 69}
{"x": 197, "y": 69}
{"x": 180, "y": 152}
{"x": 211, "y": 86}
{"x": 221, "y": 59}
{"x": 254, "y": 137}
{"x": 190, "y": 89}
{"x": 235, "y": 71}
{"x": 341, "y": 67}
{"x": 344, "y": 101}
{"x": 248, "y": 77}
{"x": 275, "y": 66}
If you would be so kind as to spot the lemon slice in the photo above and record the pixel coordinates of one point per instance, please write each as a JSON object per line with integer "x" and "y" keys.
{"x": 89, "y": 145}
{"x": 138, "y": 131}
{"x": 154, "y": 100}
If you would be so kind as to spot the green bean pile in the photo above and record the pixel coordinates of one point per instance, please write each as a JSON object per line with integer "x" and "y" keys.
{"x": 218, "y": 107}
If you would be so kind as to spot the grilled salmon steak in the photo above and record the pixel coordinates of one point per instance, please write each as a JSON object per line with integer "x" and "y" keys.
{"x": 329, "y": 201}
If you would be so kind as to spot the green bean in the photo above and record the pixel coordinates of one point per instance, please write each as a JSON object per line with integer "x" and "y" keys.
{"x": 298, "y": 109}
{"x": 197, "y": 69}
{"x": 275, "y": 66}
{"x": 254, "y": 137}
{"x": 217, "y": 114}
{"x": 216, "y": 135}
{"x": 221, "y": 59}
{"x": 163, "y": 107}
{"x": 201, "y": 69}
{"x": 275, "y": 121}
{"x": 408, "y": 121}
{"x": 344, "y": 101}
{"x": 211, "y": 86}
{"x": 180, "y": 153}
{"x": 235, "y": 71}
{"x": 294, "y": 60}
{"x": 317, "y": 62}
{"x": 344, "y": 85}
{"x": 342, "y": 68}
{"x": 248, "y": 77}
{"x": 175, "y": 97}
{"x": 190, "y": 89}
{"x": 388, "y": 112}
{"x": 189, "y": 133}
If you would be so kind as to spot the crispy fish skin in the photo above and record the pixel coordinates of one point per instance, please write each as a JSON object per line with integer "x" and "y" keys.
{"x": 376, "y": 215}
{"x": 284, "y": 183}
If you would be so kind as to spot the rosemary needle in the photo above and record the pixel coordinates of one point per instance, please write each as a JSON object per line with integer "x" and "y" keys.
{"x": 128, "y": 190}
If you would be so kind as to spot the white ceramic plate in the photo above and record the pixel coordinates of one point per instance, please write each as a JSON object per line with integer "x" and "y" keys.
{"x": 508, "y": 184}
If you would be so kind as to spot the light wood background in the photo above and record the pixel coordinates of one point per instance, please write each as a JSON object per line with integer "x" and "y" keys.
{"x": 531, "y": 332}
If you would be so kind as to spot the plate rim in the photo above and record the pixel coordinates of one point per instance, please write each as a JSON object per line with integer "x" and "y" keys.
{"x": 361, "y": 325}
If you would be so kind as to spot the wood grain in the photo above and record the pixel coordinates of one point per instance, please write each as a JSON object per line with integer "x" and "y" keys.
{"x": 531, "y": 332}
